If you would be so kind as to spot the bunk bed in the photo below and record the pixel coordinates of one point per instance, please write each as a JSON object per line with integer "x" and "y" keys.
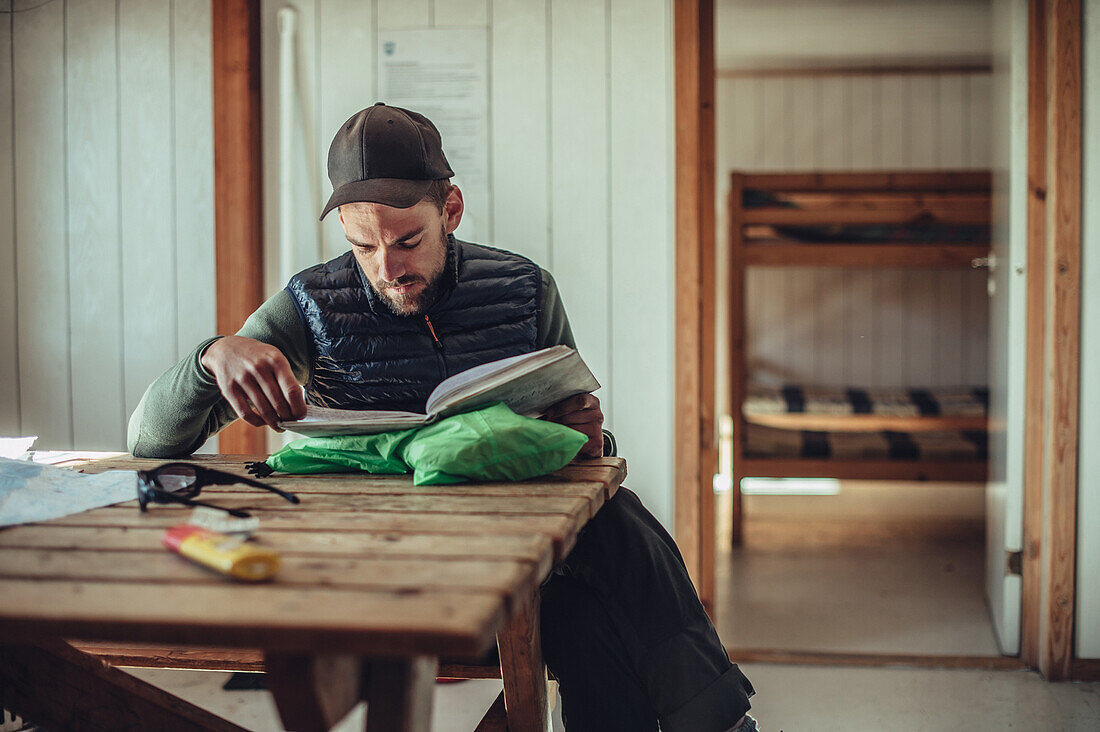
{"x": 935, "y": 219}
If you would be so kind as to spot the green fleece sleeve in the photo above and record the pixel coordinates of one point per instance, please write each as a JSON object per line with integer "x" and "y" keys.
{"x": 183, "y": 407}
{"x": 553, "y": 327}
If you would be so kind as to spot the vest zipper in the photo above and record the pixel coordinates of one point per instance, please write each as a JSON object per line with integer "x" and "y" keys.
{"x": 438, "y": 347}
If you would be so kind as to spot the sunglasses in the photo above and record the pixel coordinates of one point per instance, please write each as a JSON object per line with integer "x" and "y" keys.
{"x": 181, "y": 482}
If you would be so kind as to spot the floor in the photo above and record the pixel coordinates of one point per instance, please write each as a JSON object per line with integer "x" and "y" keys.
{"x": 815, "y": 576}
{"x": 789, "y": 698}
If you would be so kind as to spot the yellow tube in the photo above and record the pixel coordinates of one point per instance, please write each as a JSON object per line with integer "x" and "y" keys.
{"x": 222, "y": 553}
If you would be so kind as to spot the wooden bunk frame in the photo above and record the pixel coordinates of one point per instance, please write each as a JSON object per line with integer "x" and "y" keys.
{"x": 956, "y": 197}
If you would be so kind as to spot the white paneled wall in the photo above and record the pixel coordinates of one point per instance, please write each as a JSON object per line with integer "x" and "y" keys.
{"x": 580, "y": 153}
{"x": 856, "y": 327}
{"x": 106, "y": 177}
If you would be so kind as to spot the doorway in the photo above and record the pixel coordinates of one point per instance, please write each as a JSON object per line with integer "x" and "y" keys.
{"x": 882, "y": 566}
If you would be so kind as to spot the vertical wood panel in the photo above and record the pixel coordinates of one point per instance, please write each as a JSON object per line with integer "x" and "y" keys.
{"x": 463, "y": 14}
{"x": 194, "y": 171}
{"x": 148, "y": 217}
{"x": 980, "y": 121}
{"x": 42, "y": 258}
{"x": 579, "y": 183}
{"x": 9, "y": 334}
{"x": 975, "y": 298}
{"x": 394, "y": 13}
{"x": 863, "y": 117}
{"x": 93, "y": 183}
{"x": 892, "y": 122}
{"x": 890, "y": 286}
{"x": 1063, "y": 271}
{"x": 802, "y": 294}
{"x": 519, "y": 133}
{"x": 924, "y": 122}
{"x": 238, "y": 182}
{"x": 833, "y": 150}
{"x": 921, "y": 310}
{"x": 641, "y": 244}
{"x": 949, "y": 312}
{"x": 859, "y": 305}
{"x": 346, "y": 40}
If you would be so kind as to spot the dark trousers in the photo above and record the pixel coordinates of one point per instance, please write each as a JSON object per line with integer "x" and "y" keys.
{"x": 626, "y": 636}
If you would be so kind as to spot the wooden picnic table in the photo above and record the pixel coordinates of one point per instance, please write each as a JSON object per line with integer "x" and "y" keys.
{"x": 379, "y": 580}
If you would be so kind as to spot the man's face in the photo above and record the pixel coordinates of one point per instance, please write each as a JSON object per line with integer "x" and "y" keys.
{"x": 402, "y": 250}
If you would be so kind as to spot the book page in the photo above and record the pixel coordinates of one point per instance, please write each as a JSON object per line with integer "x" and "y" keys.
{"x": 320, "y": 421}
{"x": 463, "y": 384}
{"x": 528, "y": 384}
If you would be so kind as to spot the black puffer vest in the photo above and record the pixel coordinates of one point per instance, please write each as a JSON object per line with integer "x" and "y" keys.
{"x": 365, "y": 357}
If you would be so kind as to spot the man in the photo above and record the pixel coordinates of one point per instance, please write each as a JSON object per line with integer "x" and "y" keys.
{"x": 379, "y": 327}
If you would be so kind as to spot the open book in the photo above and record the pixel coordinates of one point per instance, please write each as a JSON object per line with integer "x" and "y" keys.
{"x": 528, "y": 383}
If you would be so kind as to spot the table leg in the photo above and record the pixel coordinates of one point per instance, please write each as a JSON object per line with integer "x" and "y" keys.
{"x": 53, "y": 685}
{"x": 523, "y": 670}
{"x": 313, "y": 691}
{"x": 399, "y": 694}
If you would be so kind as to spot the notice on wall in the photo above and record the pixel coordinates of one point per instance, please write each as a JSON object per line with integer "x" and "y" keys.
{"x": 443, "y": 73}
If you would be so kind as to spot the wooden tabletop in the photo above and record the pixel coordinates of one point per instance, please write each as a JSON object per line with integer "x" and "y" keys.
{"x": 370, "y": 564}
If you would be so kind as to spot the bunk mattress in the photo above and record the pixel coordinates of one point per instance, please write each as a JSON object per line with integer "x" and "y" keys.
{"x": 923, "y": 402}
{"x": 771, "y": 442}
{"x": 924, "y": 230}
{"x": 772, "y": 417}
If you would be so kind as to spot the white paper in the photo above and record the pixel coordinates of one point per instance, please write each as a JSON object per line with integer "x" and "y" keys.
{"x": 31, "y": 492}
{"x": 14, "y": 448}
{"x": 443, "y": 73}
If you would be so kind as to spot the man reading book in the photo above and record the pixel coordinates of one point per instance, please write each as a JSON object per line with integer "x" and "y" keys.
{"x": 378, "y": 328}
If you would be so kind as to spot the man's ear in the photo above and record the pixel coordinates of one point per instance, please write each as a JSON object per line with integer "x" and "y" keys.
{"x": 452, "y": 210}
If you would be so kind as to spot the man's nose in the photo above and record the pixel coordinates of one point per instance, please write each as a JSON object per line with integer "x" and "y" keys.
{"x": 391, "y": 264}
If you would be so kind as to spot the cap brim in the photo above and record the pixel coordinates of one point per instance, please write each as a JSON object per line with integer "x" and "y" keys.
{"x": 396, "y": 192}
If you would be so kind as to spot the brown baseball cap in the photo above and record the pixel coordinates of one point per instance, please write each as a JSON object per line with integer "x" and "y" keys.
{"x": 386, "y": 155}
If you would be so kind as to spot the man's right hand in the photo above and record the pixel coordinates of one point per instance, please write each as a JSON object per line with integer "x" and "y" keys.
{"x": 256, "y": 380}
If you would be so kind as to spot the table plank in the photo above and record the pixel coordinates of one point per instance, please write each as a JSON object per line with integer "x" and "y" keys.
{"x": 530, "y": 505}
{"x": 370, "y": 622}
{"x": 509, "y": 579}
{"x": 560, "y": 529}
{"x": 438, "y": 547}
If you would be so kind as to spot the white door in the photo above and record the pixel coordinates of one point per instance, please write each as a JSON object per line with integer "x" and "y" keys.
{"x": 1008, "y": 324}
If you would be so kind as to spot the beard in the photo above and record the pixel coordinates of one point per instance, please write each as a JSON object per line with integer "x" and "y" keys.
{"x": 414, "y": 303}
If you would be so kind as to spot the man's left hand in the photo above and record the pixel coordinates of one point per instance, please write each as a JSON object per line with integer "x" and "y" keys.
{"x": 582, "y": 413}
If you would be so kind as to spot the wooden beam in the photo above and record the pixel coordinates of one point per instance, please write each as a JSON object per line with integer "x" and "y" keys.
{"x": 238, "y": 179}
{"x": 523, "y": 670}
{"x": 708, "y": 293}
{"x": 693, "y": 276}
{"x": 738, "y": 350}
{"x": 399, "y": 694}
{"x": 826, "y": 658}
{"x": 949, "y": 256}
{"x": 54, "y": 686}
{"x": 313, "y": 691}
{"x": 883, "y": 70}
{"x": 877, "y": 182}
{"x": 1063, "y": 336}
{"x": 962, "y": 471}
{"x": 1031, "y": 581}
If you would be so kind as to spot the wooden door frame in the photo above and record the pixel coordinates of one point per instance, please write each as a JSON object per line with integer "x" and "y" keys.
{"x": 696, "y": 459}
{"x": 1053, "y": 316}
{"x": 1048, "y": 609}
{"x": 238, "y": 183}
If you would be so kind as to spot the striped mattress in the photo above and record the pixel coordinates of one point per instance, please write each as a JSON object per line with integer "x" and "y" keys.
{"x": 795, "y": 399}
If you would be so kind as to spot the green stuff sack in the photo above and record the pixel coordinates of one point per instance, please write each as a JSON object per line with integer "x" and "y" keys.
{"x": 493, "y": 443}
{"x": 380, "y": 453}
